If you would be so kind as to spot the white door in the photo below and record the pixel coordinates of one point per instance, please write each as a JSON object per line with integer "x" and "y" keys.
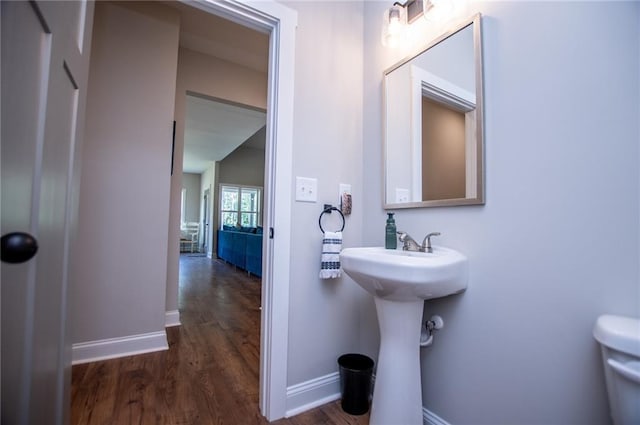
{"x": 44, "y": 65}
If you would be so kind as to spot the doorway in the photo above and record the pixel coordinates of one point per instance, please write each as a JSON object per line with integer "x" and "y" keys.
{"x": 223, "y": 143}
{"x": 279, "y": 22}
{"x": 159, "y": 255}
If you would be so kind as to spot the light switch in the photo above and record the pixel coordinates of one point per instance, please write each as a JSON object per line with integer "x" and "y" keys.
{"x": 306, "y": 189}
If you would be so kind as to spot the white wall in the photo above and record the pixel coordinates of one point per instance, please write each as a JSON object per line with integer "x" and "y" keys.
{"x": 218, "y": 79}
{"x": 117, "y": 284}
{"x": 191, "y": 182}
{"x": 556, "y": 244}
{"x": 323, "y": 315}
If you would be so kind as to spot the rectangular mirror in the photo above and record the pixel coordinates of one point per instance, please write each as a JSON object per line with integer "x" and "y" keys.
{"x": 433, "y": 123}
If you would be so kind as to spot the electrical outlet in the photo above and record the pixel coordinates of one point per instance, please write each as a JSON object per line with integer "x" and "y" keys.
{"x": 306, "y": 189}
{"x": 344, "y": 198}
{"x": 402, "y": 196}
{"x": 344, "y": 188}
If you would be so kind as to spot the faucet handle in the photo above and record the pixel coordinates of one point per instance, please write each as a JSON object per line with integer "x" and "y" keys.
{"x": 405, "y": 239}
{"x": 426, "y": 243}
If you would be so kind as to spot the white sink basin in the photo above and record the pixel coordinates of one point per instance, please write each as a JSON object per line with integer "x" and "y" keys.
{"x": 406, "y": 275}
{"x": 400, "y": 281}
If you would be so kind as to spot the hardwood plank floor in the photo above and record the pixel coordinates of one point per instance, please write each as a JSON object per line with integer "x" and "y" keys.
{"x": 209, "y": 375}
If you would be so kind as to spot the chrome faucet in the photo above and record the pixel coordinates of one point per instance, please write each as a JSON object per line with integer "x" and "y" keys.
{"x": 409, "y": 244}
{"x": 426, "y": 242}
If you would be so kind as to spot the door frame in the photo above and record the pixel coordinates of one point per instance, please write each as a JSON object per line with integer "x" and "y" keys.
{"x": 206, "y": 220}
{"x": 280, "y": 22}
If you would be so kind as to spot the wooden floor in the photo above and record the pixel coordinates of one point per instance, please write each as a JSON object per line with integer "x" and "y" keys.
{"x": 210, "y": 373}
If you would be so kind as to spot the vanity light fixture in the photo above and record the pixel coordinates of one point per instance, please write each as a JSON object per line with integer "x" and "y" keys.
{"x": 403, "y": 13}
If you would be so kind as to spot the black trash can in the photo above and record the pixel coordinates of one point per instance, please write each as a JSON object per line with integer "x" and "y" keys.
{"x": 355, "y": 382}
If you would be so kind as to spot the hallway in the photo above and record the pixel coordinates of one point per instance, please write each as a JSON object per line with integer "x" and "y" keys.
{"x": 210, "y": 373}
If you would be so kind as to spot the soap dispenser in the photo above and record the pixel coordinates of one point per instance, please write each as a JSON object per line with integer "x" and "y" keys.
{"x": 390, "y": 241}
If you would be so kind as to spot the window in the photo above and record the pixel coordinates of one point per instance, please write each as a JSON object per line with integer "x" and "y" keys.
{"x": 240, "y": 205}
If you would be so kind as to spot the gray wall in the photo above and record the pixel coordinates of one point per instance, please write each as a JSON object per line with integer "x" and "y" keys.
{"x": 556, "y": 244}
{"x": 191, "y": 182}
{"x": 244, "y": 166}
{"x": 452, "y": 60}
{"x": 327, "y": 137}
{"x": 117, "y": 283}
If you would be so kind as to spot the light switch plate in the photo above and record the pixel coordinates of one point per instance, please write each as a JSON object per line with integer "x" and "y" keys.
{"x": 306, "y": 189}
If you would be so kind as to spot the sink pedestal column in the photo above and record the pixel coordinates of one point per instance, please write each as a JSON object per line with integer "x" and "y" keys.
{"x": 397, "y": 395}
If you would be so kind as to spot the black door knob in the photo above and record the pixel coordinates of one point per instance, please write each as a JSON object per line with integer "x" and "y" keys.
{"x": 18, "y": 247}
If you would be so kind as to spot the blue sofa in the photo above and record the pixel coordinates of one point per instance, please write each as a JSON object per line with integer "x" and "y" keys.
{"x": 241, "y": 247}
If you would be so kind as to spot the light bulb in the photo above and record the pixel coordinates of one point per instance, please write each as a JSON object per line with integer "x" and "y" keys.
{"x": 392, "y": 26}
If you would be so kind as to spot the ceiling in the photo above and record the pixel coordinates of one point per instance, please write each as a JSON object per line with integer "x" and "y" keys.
{"x": 214, "y": 129}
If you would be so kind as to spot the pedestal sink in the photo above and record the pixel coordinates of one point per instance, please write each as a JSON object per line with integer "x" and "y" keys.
{"x": 400, "y": 281}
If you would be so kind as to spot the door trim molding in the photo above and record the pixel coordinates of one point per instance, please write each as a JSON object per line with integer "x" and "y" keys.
{"x": 280, "y": 22}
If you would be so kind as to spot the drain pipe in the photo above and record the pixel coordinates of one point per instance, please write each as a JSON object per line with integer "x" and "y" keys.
{"x": 429, "y": 329}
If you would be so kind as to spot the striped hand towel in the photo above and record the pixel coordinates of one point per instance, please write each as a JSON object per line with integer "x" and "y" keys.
{"x": 331, "y": 247}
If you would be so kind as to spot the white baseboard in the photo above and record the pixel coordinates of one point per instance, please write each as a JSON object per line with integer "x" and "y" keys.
{"x": 310, "y": 394}
{"x": 112, "y": 348}
{"x": 325, "y": 389}
{"x": 172, "y": 318}
{"x": 430, "y": 418}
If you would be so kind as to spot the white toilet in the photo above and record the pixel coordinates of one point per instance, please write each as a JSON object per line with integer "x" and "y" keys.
{"x": 620, "y": 341}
